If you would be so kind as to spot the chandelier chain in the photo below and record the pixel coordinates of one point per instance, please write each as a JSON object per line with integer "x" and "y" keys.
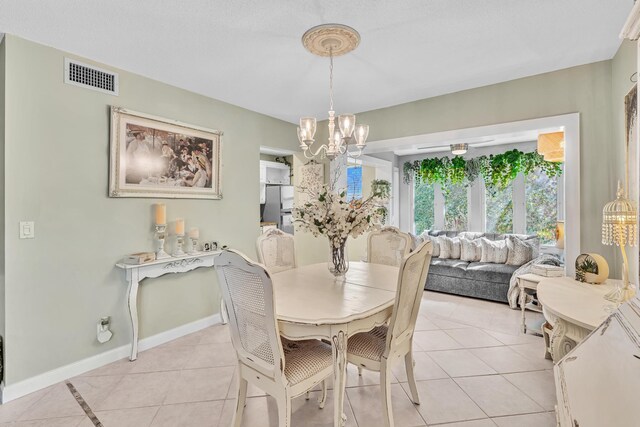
{"x": 331, "y": 78}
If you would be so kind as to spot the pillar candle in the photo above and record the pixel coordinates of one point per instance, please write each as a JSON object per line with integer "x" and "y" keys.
{"x": 194, "y": 233}
{"x": 161, "y": 214}
{"x": 180, "y": 226}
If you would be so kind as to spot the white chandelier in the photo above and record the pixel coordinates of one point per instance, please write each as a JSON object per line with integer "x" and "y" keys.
{"x": 332, "y": 40}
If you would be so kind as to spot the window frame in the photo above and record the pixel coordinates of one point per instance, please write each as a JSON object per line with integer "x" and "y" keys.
{"x": 476, "y": 205}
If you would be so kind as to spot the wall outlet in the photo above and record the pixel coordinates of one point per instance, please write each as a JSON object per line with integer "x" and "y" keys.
{"x": 103, "y": 333}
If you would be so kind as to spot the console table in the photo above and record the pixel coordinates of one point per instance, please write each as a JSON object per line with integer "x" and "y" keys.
{"x": 597, "y": 384}
{"x": 573, "y": 309}
{"x": 134, "y": 274}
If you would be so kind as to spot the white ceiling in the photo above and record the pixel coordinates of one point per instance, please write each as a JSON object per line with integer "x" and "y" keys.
{"x": 249, "y": 53}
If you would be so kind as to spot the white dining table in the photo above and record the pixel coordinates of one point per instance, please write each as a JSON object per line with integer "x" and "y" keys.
{"x": 312, "y": 303}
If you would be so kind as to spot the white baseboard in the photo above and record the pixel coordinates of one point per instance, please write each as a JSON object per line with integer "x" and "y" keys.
{"x": 22, "y": 388}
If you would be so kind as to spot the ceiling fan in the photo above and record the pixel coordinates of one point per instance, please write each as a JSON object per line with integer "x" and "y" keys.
{"x": 456, "y": 148}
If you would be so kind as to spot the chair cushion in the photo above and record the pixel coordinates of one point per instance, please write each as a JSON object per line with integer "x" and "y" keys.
{"x": 448, "y": 267}
{"x": 304, "y": 359}
{"x": 369, "y": 345}
{"x": 490, "y": 272}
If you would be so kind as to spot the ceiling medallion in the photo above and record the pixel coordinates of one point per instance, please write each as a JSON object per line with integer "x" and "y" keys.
{"x": 332, "y": 40}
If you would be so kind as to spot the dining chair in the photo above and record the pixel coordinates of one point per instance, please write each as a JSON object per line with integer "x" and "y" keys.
{"x": 282, "y": 368}
{"x": 276, "y": 250}
{"x": 379, "y": 349}
{"x": 388, "y": 246}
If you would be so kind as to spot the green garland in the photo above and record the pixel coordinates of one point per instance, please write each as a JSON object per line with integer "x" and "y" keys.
{"x": 497, "y": 171}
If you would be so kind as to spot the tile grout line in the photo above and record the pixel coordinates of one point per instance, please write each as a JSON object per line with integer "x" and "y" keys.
{"x": 83, "y": 404}
{"x": 522, "y": 391}
{"x": 498, "y": 416}
{"x": 414, "y": 405}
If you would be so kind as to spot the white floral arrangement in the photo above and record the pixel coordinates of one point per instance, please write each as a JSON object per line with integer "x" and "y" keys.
{"x": 328, "y": 213}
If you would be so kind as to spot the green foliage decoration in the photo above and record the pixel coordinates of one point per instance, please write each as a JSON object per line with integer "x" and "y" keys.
{"x": 497, "y": 171}
{"x": 434, "y": 170}
{"x": 456, "y": 172}
{"x": 381, "y": 188}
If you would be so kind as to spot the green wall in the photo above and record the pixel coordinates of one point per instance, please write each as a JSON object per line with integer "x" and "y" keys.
{"x": 585, "y": 89}
{"x": 623, "y": 65}
{"x": 59, "y": 284}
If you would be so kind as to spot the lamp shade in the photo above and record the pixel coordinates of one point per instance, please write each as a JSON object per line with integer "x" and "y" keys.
{"x": 619, "y": 221}
{"x": 548, "y": 142}
{"x": 560, "y": 235}
{"x": 347, "y": 123}
{"x": 551, "y": 146}
{"x": 554, "y": 156}
{"x": 362, "y": 132}
{"x": 307, "y": 128}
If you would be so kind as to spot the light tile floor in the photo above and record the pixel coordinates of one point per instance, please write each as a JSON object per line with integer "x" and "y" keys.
{"x": 473, "y": 366}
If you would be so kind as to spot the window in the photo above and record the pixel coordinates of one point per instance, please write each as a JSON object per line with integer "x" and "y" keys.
{"x": 354, "y": 183}
{"x": 499, "y": 210}
{"x": 528, "y": 205}
{"x": 423, "y": 209}
{"x": 455, "y": 207}
{"x": 541, "y": 200}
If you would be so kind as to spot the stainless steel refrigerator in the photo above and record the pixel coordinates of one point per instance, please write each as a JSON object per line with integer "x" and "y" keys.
{"x": 277, "y": 206}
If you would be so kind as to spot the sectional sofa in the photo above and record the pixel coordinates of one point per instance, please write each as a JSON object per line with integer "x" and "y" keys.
{"x": 487, "y": 281}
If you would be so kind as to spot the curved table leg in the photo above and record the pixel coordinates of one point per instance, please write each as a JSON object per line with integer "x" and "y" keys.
{"x": 133, "y": 312}
{"x": 560, "y": 343}
{"x": 339, "y": 347}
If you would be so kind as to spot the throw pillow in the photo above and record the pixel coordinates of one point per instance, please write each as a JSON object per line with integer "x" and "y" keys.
{"x": 534, "y": 240}
{"x": 494, "y": 251}
{"x": 415, "y": 241}
{"x": 470, "y": 250}
{"x": 435, "y": 245}
{"x": 449, "y": 247}
{"x": 520, "y": 251}
{"x": 470, "y": 235}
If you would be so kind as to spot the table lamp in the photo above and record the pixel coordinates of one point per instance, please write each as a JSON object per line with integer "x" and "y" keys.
{"x": 620, "y": 228}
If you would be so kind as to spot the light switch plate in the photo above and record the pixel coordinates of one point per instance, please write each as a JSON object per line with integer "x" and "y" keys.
{"x": 27, "y": 230}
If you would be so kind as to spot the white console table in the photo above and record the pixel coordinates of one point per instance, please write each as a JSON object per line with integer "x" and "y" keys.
{"x": 573, "y": 309}
{"x": 134, "y": 274}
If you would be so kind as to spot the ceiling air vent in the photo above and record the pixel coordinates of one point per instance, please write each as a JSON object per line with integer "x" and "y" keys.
{"x": 90, "y": 77}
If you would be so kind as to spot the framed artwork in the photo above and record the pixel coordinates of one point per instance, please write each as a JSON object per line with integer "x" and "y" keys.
{"x": 156, "y": 157}
{"x": 311, "y": 176}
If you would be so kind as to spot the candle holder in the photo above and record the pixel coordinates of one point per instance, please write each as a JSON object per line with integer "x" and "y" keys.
{"x": 194, "y": 247}
{"x": 179, "y": 242}
{"x": 160, "y": 233}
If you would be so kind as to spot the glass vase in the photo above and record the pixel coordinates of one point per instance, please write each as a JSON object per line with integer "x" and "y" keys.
{"x": 338, "y": 262}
